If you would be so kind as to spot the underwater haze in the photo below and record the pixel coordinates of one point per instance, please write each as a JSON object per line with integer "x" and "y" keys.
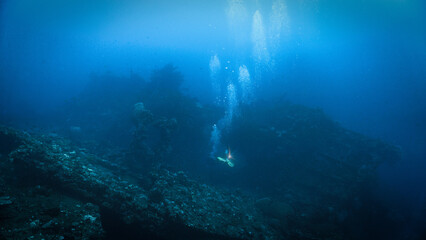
{"x": 227, "y": 119}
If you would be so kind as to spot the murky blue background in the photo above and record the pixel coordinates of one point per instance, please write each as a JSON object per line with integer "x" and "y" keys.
{"x": 363, "y": 62}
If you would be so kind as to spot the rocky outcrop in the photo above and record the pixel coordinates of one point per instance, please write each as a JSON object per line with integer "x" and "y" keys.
{"x": 98, "y": 198}
{"x": 162, "y": 204}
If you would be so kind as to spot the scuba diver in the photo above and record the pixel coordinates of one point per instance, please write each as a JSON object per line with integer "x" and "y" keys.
{"x": 228, "y": 158}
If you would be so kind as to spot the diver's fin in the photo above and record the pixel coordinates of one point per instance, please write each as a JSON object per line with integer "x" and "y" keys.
{"x": 227, "y": 161}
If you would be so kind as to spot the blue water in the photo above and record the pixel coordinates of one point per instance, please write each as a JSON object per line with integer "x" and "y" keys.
{"x": 362, "y": 62}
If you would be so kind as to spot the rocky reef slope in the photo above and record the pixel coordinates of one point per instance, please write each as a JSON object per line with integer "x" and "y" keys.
{"x": 50, "y": 188}
{"x": 160, "y": 205}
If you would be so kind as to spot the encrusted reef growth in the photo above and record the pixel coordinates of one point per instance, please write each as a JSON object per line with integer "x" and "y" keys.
{"x": 118, "y": 174}
{"x": 317, "y": 172}
{"x": 39, "y": 213}
{"x": 163, "y": 204}
{"x": 61, "y": 189}
{"x": 312, "y": 180}
{"x": 202, "y": 207}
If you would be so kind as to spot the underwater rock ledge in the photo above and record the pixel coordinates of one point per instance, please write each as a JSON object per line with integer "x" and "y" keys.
{"x": 50, "y": 187}
{"x": 171, "y": 205}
